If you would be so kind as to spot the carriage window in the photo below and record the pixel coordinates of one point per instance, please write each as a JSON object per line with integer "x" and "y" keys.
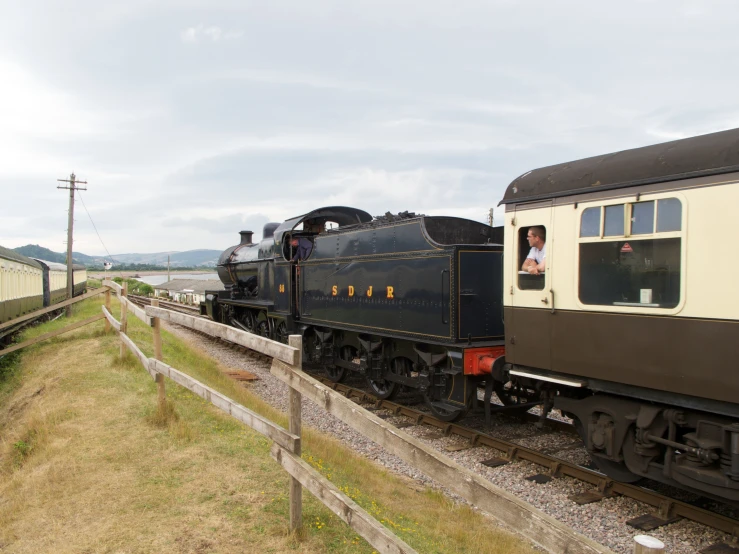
{"x": 642, "y": 270}
{"x": 614, "y": 223}
{"x": 642, "y": 218}
{"x": 643, "y": 273}
{"x": 526, "y": 279}
{"x": 590, "y": 222}
{"x": 669, "y": 215}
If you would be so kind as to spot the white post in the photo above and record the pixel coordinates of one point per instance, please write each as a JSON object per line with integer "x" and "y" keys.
{"x": 644, "y": 544}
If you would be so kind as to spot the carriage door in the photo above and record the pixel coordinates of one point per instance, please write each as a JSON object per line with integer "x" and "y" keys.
{"x": 528, "y": 324}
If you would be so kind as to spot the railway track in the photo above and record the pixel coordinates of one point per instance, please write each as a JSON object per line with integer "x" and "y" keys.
{"x": 666, "y": 509}
{"x": 143, "y": 301}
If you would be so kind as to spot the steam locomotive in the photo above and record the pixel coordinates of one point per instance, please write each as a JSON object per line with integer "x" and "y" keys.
{"x": 632, "y": 329}
{"x": 411, "y": 301}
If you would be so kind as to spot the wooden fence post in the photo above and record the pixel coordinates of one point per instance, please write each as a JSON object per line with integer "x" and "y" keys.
{"x": 644, "y": 544}
{"x": 124, "y": 316}
{"x": 156, "y": 325}
{"x": 295, "y": 401}
{"x": 107, "y": 307}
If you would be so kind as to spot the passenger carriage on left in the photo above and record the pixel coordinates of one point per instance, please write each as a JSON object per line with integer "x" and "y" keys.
{"x": 21, "y": 285}
{"x": 28, "y": 284}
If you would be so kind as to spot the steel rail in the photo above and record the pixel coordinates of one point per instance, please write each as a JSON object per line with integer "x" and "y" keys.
{"x": 146, "y": 301}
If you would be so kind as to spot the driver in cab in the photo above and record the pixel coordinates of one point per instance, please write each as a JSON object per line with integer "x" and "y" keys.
{"x": 535, "y": 262}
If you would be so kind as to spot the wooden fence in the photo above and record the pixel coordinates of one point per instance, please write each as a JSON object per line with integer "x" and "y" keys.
{"x": 287, "y": 366}
{"x": 533, "y": 524}
{"x": 287, "y": 442}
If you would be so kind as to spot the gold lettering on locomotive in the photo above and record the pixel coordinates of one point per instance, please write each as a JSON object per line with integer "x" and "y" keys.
{"x": 369, "y": 291}
{"x": 334, "y": 290}
{"x": 351, "y": 290}
{"x": 282, "y": 288}
{"x": 390, "y": 291}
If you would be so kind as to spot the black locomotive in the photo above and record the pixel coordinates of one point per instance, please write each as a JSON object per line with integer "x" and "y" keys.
{"x": 410, "y": 301}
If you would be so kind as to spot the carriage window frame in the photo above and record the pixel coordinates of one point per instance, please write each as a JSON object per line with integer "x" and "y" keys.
{"x": 525, "y": 281}
{"x": 675, "y": 208}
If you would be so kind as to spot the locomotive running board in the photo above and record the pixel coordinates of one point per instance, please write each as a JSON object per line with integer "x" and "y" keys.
{"x": 557, "y": 380}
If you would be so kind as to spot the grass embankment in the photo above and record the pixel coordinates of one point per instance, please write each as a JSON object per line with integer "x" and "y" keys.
{"x": 88, "y": 465}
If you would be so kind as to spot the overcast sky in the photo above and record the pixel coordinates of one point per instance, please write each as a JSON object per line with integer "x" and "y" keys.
{"x": 193, "y": 120}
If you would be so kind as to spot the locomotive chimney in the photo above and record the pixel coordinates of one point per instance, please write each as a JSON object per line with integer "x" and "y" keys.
{"x": 246, "y": 237}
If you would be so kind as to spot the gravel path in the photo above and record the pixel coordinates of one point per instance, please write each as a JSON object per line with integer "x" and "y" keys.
{"x": 604, "y": 521}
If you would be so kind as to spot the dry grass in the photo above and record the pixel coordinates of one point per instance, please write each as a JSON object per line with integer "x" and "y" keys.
{"x": 89, "y": 464}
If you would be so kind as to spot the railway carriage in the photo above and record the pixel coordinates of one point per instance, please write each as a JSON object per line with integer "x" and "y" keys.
{"x": 633, "y": 328}
{"x": 55, "y": 281}
{"x": 21, "y": 285}
{"x": 28, "y": 284}
{"x": 79, "y": 279}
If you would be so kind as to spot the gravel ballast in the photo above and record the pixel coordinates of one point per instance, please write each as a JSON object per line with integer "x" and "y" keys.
{"x": 603, "y": 522}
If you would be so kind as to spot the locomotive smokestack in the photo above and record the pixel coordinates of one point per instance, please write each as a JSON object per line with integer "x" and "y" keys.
{"x": 246, "y": 237}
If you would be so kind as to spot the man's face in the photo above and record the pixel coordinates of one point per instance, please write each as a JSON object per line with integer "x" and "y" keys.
{"x": 533, "y": 239}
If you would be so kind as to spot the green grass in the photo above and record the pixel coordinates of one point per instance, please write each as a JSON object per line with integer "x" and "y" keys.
{"x": 88, "y": 461}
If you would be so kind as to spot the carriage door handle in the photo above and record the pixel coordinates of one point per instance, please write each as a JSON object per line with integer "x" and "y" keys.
{"x": 545, "y": 300}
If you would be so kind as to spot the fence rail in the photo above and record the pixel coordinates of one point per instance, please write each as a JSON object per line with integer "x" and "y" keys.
{"x": 137, "y": 311}
{"x": 283, "y": 352}
{"x": 260, "y": 424}
{"x": 46, "y": 336}
{"x": 524, "y": 518}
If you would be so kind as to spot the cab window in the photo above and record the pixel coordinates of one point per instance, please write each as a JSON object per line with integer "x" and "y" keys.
{"x": 641, "y": 268}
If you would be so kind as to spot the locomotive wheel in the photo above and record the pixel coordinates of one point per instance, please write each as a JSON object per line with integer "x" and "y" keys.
{"x": 385, "y": 389}
{"x": 250, "y": 321}
{"x": 311, "y": 344}
{"x": 281, "y": 333}
{"x": 337, "y": 374}
{"x": 615, "y": 470}
{"x": 511, "y": 393}
{"x": 262, "y": 329}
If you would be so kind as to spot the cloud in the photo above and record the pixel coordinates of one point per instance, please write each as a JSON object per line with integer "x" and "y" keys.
{"x": 265, "y": 110}
{"x": 211, "y": 33}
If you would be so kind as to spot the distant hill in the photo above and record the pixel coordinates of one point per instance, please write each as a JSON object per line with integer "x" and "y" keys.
{"x": 189, "y": 258}
{"x": 36, "y": 251}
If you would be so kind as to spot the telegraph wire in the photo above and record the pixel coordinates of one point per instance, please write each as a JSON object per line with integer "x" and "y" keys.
{"x": 96, "y": 230}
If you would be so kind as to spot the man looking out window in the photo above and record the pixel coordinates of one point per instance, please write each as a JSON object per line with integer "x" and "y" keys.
{"x": 535, "y": 262}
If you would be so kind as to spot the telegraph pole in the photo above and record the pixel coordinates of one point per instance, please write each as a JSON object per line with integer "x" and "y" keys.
{"x": 490, "y": 217}
{"x": 70, "y": 225}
